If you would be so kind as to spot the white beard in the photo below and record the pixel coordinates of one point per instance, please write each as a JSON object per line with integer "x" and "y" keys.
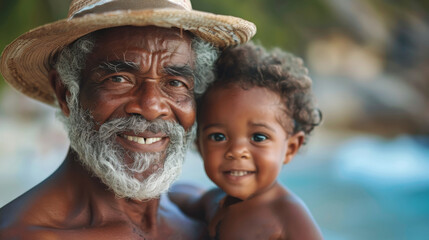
{"x": 99, "y": 152}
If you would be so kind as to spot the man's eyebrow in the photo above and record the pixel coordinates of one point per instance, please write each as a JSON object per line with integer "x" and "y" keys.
{"x": 118, "y": 66}
{"x": 182, "y": 71}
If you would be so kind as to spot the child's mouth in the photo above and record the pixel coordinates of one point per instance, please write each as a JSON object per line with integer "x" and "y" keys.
{"x": 239, "y": 173}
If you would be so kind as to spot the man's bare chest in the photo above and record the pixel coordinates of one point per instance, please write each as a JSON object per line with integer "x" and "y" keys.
{"x": 110, "y": 231}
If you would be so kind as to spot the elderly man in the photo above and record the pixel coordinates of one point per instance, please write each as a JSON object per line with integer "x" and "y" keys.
{"x": 123, "y": 74}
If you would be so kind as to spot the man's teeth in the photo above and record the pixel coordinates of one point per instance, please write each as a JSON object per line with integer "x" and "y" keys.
{"x": 141, "y": 140}
{"x": 238, "y": 173}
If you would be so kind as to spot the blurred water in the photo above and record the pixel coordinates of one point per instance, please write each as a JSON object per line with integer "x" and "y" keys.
{"x": 368, "y": 188}
{"x": 361, "y": 187}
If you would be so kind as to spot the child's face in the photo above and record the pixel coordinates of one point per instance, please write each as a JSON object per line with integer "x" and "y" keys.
{"x": 242, "y": 140}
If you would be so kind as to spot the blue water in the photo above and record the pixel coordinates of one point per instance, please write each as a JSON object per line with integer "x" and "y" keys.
{"x": 369, "y": 188}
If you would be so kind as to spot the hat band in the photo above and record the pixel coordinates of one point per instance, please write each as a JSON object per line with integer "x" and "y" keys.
{"x": 115, "y": 5}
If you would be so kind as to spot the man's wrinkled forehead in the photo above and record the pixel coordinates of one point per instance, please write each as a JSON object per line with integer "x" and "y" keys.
{"x": 117, "y": 43}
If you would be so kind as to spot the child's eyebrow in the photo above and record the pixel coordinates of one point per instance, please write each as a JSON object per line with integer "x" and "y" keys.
{"x": 212, "y": 125}
{"x": 263, "y": 125}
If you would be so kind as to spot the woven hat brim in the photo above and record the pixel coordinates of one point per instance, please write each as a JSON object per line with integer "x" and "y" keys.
{"x": 26, "y": 62}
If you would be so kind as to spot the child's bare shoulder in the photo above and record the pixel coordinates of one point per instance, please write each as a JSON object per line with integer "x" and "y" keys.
{"x": 289, "y": 203}
{"x": 297, "y": 221}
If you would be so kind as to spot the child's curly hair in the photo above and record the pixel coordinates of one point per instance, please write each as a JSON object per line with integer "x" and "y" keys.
{"x": 250, "y": 65}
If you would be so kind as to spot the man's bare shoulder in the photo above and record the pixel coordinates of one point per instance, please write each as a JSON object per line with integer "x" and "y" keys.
{"x": 37, "y": 208}
{"x": 25, "y": 233}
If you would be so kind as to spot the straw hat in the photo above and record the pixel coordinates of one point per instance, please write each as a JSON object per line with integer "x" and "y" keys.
{"x": 25, "y": 63}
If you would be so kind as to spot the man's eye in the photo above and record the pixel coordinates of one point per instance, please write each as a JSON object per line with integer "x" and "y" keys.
{"x": 218, "y": 137}
{"x": 176, "y": 83}
{"x": 257, "y": 137}
{"x": 118, "y": 79}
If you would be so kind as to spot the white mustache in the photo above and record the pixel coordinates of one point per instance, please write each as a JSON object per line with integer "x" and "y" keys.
{"x": 137, "y": 124}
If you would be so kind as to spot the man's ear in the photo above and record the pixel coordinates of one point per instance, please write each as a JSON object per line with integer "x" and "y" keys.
{"x": 61, "y": 91}
{"x": 293, "y": 144}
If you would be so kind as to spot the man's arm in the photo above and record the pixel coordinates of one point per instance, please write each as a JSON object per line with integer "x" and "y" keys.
{"x": 189, "y": 199}
{"x": 194, "y": 201}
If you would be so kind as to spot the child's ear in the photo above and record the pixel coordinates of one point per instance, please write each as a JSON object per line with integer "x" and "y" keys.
{"x": 293, "y": 144}
{"x": 61, "y": 91}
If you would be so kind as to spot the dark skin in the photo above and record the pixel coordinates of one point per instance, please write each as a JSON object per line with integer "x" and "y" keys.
{"x": 74, "y": 204}
{"x": 276, "y": 214}
{"x": 243, "y": 142}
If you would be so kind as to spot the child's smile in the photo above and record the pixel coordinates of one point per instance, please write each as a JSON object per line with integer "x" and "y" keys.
{"x": 234, "y": 176}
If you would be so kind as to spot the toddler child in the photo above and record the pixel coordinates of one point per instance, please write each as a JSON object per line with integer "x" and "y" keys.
{"x": 251, "y": 121}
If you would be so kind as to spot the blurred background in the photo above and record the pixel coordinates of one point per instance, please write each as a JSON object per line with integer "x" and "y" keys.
{"x": 364, "y": 173}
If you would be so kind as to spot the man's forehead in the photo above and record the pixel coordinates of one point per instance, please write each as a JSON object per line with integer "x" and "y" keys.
{"x": 154, "y": 38}
{"x": 136, "y": 42}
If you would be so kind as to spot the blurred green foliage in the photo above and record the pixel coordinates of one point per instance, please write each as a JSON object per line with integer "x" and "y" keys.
{"x": 279, "y": 22}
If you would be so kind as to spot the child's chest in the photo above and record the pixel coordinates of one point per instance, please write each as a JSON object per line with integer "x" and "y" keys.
{"x": 242, "y": 223}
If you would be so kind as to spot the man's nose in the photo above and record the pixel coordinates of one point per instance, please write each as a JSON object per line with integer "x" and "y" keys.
{"x": 238, "y": 150}
{"x": 148, "y": 101}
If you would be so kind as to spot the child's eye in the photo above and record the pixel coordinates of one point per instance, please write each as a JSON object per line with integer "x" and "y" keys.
{"x": 257, "y": 137}
{"x": 218, "y": 137}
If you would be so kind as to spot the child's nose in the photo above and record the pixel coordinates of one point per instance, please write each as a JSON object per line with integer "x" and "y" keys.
{"x": 237, "y": 150}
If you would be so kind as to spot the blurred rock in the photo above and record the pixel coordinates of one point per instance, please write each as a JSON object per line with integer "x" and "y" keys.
{"x": 385, "y": 106}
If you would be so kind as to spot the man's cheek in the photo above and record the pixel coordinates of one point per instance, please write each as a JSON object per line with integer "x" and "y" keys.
{"x": 179, "y": 95}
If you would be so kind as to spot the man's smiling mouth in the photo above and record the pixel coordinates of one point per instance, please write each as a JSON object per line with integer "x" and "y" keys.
{"x": 141, "y": 140}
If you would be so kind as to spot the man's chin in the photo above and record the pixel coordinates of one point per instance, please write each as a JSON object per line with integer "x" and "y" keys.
{"x": 138, "y": 176}
{"x": 147, "y": 187}
{"x": 142, "y": 164}
{"x": 141, "y": 176}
